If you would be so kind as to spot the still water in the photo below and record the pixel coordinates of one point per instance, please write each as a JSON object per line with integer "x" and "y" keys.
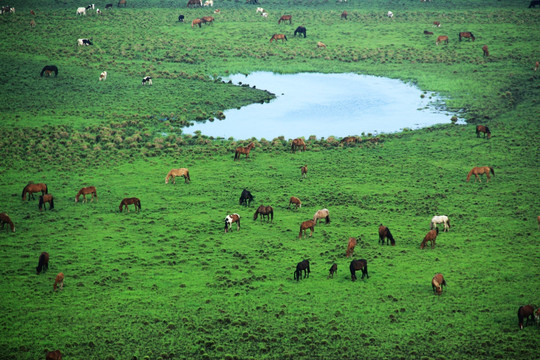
{"x": 324, "y": 105}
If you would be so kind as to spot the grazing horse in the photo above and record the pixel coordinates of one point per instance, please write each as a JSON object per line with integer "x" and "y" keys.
{"x": 350, "y": 247}
{"x": 437, "y": 283}
{"x": 81, "y": 11}
{"x": 430, "y": 236}
{"x": 207, "y": 19}
{"x": 108, "y": 6}
{"x": 467, "y": 35}
{"x": 32, "y": 188}
{"x": 4, "y": 219}
{"x": 438, "y": 220}
{"x": 301, "y": 266}
{"x": 59, "y": 281}
{"x": 85, "y": 191}
{"x": 300, "y": 30}
{"x": 43, "y": 263}
{"x": 278, "y": 37}
{"x": 285, "y": 18}
{"x": 525, "y": 312}
{"x": 322, "y": 214}
{"x": 297, "y": 203}
{"x": 54, "y": 355}
{"x": 309, "y": 224}
{"x": 428, "y": 32}
{"x": 485, "y": 50}
{"x": 246, "y": 198}
{"x": 442, "y": 38}
{"x": 178, "y": 172}
{"x": 303, "y": 171}
{"x": 298, "y": 144}
{"x": 349, "y": 140}
{"x": 194, "y": 3}
{"x": 483, "y": 129}
{"x": 47, "y": 198}
{"x": 358, "y": 265}
{"x": 384, "y": 232}
{"x": 196, "y": 22}
{"x": 479, "y": 171}
{"x": 333, "y": 269}
{"x": 265, "y": 211}
{"x": 243, "y": 150}
{"x": 130, "y": 201}
{"x": 344, "y": 15}
{"x": 49, "y": 69}
{"x": 321, "y": 45}
{"x": 230, "y": 219}
{"x": 122, "y": 2}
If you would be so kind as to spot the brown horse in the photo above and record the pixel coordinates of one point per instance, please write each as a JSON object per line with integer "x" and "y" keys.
{"x": 349, "y": 140}
{"x": 384, "y": 232}
{"x": 231, "y": 219}
{"x": 358, "y": 265}
{"x": 47, "y": 198}
{"x": 130, "y": 201}
{"x": 196, "y": 22}
{"x": 207, "y": 19}
{"x": 4, "y": 219}
{"x": 437, "y": 23}
{"x": 194, "y": 3}
{"x": 265, "y": 211}
{"x": 333, "y": 269}
{"x": 59, "y": 281}
{"x": 322, "y": 214}
{"x": 442, "y": 38}
{"x": 122, "y": 2}
{"x": 479, "y": 171}
{"x": 437, "y": 283}
{"x": 54, "y": 355}
{"x": 296, "y": 201}
{"x": 178, "y": 172}
{"x": 309, "y": 224}
{"x": 285, "y": 18}
{"x": 430, "y": 236}
{"x": 32, "y": 188}
{"x": 536, "y": 65}
{"x": 43, "y": 263}
{"x": 350, "y": 247}
{"x": 243, "y": 150}
{"x": 483, "y": 129}
{"x": 321, "y": 45}
{"x": 303, "y": 170}
{"x": 485, "y": 49}
{"x": 525, "y": 312}
{"x": 85, "y": 191}
{"x": 344, "y": 15}
{"x": 278, "y": 37}
{"x": 298, "y": 144}
{"x": 466, "y": 35}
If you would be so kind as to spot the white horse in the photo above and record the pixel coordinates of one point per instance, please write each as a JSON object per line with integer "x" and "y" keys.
{"x": 390, "y": 14}
{"x": 440, "y": 219}
{"x": 321, "y": 214}
{"x": 81, "y": 11}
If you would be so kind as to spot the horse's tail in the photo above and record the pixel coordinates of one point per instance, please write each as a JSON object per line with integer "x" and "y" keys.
{"x": 273, "y": 37}
{"x": 139, "y": 203}
{"x": 24, "y": 193}
{"x": 52, "y": 204}
{"x": 492, "y": 171}
{"x": 256, "y": 214}
{"x": 520, "y": 318}
{"x": 272, "y": 215}
{"x": 46, "y": 189}
{"x": 285, "y": 36}
{"x": 389, "y": 235}
{"x": 42, "y": 71}
{"x": 469, "y": 175}
{"x": 187, "y": 175}
{"x": 487, "y": 130}
{"x": 328, "y": 219}
{"x": 40, "y": 202}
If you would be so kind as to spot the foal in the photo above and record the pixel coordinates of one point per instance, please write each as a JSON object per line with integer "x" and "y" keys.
{"x": 303, "y": 170}
{"x": 59, "y": 281}
{"x": 350, "y": 247}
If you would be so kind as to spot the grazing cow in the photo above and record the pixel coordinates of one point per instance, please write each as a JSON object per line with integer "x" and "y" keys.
{"x": 81, "y": 11}
{"x": 108, "y": 6}
{"x": 428, "y": 32}
{"x": 54, "y": 355}
{"x": 147, "y": 80}
{"x": 230, "y": 219}
{"x": 181, "y": 18}
{"x": 485, "y": 50}
{"x": 350, "y": 247}
{"x": 321, "y": 45}
{"x": 90, "y": 7}
{"x": 437, "y": 24}
{"x": 437, "y": 283}
{"x": 84, "y": 42}
{"x": 209, "y": 3}
{"x": 533, "y": 3}
{"x": 103, "y": 76}
{"x": 442, "y": 38}
{"x": 59, "y": 281}
{"x": 390, "y": 14}
{"x": 344, "y": 15}
{"x": 525, "y": 312}
{"x": 43, "y": 263}
{"x": 536, "y": 65}
{"x": 333, "y": 269}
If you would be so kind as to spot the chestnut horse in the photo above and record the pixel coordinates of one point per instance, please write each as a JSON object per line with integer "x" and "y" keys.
{"x": 4, "y": 219}
{"x": 438, "y": 220}
{"x": 178, "y": 172}
{"x": 278, "y": 37}
{"x": 298, "y": 144}
{"x": 437, "y": 283}
{"x": 47, "y": 198}
{"x": 130, "y": 201}
{"x": 265, "y": 211}
{"x": 309, "y": 224}
{"x": 384, "y": 232}
{"x": 303, "y": 170}
{"x": 59, "y": 281}
{"x": 350, "y": 247}
{"x": 230, "y": 219}
{"x": 301, "y": 266}
{"x": 525, "y": 312}
{"x": 479, "y": 171}
{"x": 285, "y": 18}
{"x": 333, "y": 269}
{"x": 85, "y": 191}
{"x": 358, "y": 265}
{"x": 243, "y": 150}
{"x": 43, "y": 263}
{"x": 483, "y": 129}
{"x": 442, "y": 38}
{"x": 196, "y": 22}
{"x": 485, "y": 50}
{"x": 430, "y": 236}
{"x": 467, "y": 35}
{"x": 54, "y": 355}
{"x": 322, "y": 214}
{"x": 32, "y": 188}
{"x": 344, "y": 15}
{"x": 296, "y": 201}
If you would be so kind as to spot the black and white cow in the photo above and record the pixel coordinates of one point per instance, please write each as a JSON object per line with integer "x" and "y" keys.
{"x": 84, "y": 42}
{"x": 147, "y": 80}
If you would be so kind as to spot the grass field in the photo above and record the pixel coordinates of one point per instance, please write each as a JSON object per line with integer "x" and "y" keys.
{"x": 168, "y": 283}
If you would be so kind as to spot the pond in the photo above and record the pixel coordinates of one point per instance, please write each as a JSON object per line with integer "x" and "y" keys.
{"x": 326, "y": 105}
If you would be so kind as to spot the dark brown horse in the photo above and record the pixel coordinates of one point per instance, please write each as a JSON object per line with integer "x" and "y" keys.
{"x": 301, "y": 266}
{"x": 243, "y": 150}
{"x": 442, "y": 38}
{"x": 49, "y": 69}
{"x": 483, "y": 129}
{"x": 54, "y": 355}
{"x": 466, "y": 35}
{"x": 298, "y": 144}
{"x": 344, "y": 15}
{"x": 485, "y": 50}
{"x": 130, "y": 201}
{"x": 359, "y": 265}
{"x": 384, "y": 232}
{"x": 85, "y": 191}
{"x": 333, "y": 269}
{"x": 525, "y": 312}
{"x": 430, "y": 236}
{"x": 32, "y": 188}
{"x": 5, "y": 220}
{"x": 310, "y": 224}
{"x": 296, "y": 201}
{"x": 43, "y": 263}
{"x": 47, "y": 198}
{"x": 437, "y": 283}
{"x": 350, "y": 247}
{"x": 265, "y": 211}
{"x": 278, "y": 37}
{"x": 285, "y": 18}
{"x": 479, "y": 171}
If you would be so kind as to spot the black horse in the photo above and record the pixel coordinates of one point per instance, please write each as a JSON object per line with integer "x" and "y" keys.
{"x": 358, "y": 265}
{"x": 43, "y": 264}
{"x": 302, "y": 265}
{"x": 246, "y": 198}
{"x": 534, "y": 3}
{"x": 50, "y": 69}
{"x": 300, "y": 30}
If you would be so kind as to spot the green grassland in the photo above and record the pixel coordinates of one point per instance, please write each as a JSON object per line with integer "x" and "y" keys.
{"x": 168, "y": 283}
